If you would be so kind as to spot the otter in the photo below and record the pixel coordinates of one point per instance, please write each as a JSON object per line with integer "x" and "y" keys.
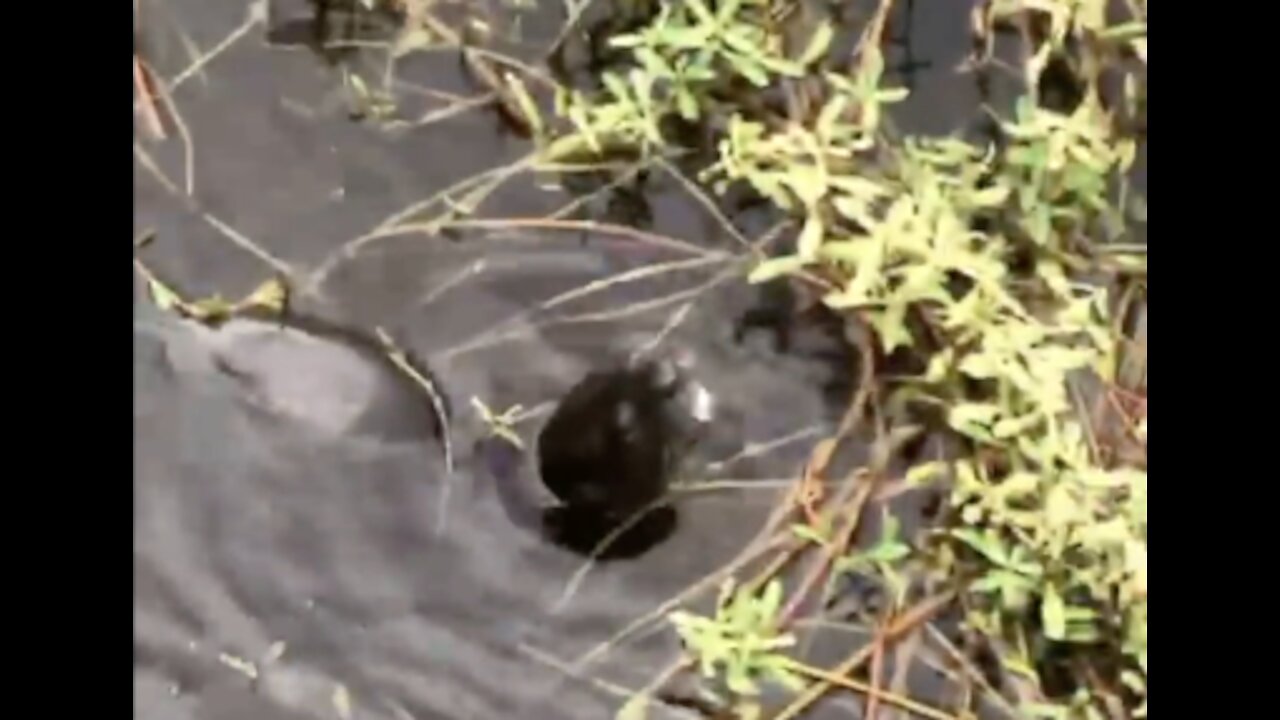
{"x": 610, "y": 449}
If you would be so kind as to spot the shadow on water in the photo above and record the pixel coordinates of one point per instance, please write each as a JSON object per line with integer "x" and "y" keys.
{"x": 582, "y": 531}
{"x": 585, "y": 532}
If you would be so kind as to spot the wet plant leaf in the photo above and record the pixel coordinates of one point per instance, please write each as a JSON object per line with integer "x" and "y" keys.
{"x": 162, "y": 296}
{"x": 818, "y": 43}
{"x": 806, "y": 532}
{"x": 636, "y": 708}
{"x": 1053, "y": 613}
{"x": 211, "y": 309}
{"x": 753, "y": 72}
{"x": 924, "y": 472}
{"x": 810, "y": 238}
{"x": 528, "y": 108}
{"x": 1061, "y": 507}
{"x": 773, "y": 268}
{"x": 687, "y": 104}
{"x": 1045, "y": 711}
{"x": 991, "y": 197}
{"x": 272, "y": 296}
{"x": 984, "y": 542}
{"x": 973, "y": 413}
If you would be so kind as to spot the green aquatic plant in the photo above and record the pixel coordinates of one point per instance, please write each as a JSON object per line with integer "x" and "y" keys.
{"x": 740, "y": 643}
{"x": 1001, "y": 265}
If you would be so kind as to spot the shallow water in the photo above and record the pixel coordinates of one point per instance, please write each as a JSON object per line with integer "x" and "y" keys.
{"x": 288, "y": 488}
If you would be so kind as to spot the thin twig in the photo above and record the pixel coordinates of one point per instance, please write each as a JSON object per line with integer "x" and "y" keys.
{"x": 877, "y": 674}
{"x": 455, "y": 108}
{"x": 901, "y": 625}
{"x": 710, "y": 486}
{"x": 496, "y": 175}
{"x": 248, "y": 245}
{"x": 500, "y": 331}
{"x": 257, "y": 12}
{"x": 703, "y": 199}
{"x": 969, "y": 670}
{"x": 390, "y": 227}
{"x": 149, "y": 164}
{"x": 795, "y": 545}
{"x": 571, "y": 587}
{"x": 401, "y": 361}
{"x": 431, "y": 296}
{"x": 572, "y": 206}
{"x": 489, "y": 340}
{"x": 612, "y": 688}
{"x": 902, "y": 662}
{"x": 149, "y": 113}
{"x": 754, "y": 449}
{"x": 764, "y": 541}
{"x": 675, "y": 320}
{"x": 819, "y": 568}
{"x": 848, "y": 425}
{"x": 144, "y": 238}
{"x": 648, "y": 238}
{"x": 184, "y": 132}
{"x": 503, "y": 59}
{"x": 484, "y": 69}
{"x": 570, "y": 22}
{"x": 643, "y": 272}
{"x": 893, "y": 698}
{"x": 679, "y": 665}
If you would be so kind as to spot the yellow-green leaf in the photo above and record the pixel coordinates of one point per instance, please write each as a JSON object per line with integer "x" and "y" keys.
{"x": 808, "y": 183}
{"x": 272, "y": 295}
{"x": 775, "y": 267}
{"x": 805, "y": 532}
{"x": 818, "y": 43}
{"x": 211, "y": 309}
{"x": 971, "y": 413}
{"x": 1010, "y": 427}
{"x": 163, "y": 297}
{"x": 810, "y": 238}
{"x": 1053, "y": 613}
{"x": 635, "y": 708}
{"x": 990, "y": 197}
{"x": 889, "y": 96}
{"x": 1060, "y": 507}
{"x": 528, "y": 107}
{"x": 924, "y": 472}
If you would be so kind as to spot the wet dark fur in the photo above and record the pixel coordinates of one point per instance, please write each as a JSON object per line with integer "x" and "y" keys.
{"x": 616, "y": 439}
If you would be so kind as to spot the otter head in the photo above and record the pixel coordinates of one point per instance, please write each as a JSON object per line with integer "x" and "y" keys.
{"x": 671, "y": 374}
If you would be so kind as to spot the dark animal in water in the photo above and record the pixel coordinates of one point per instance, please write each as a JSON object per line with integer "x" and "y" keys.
{"x": 617, "y": 438}
{"x": 609, "y": 451}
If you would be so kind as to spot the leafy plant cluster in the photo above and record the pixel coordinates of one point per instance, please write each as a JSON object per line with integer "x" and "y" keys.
{"x": 991, "y": 260}
{"x": 741, "y": 640}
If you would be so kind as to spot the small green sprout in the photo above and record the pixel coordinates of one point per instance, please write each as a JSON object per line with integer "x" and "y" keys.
{"x": 741, "y": 640}
{"x": 501, "y": 425}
